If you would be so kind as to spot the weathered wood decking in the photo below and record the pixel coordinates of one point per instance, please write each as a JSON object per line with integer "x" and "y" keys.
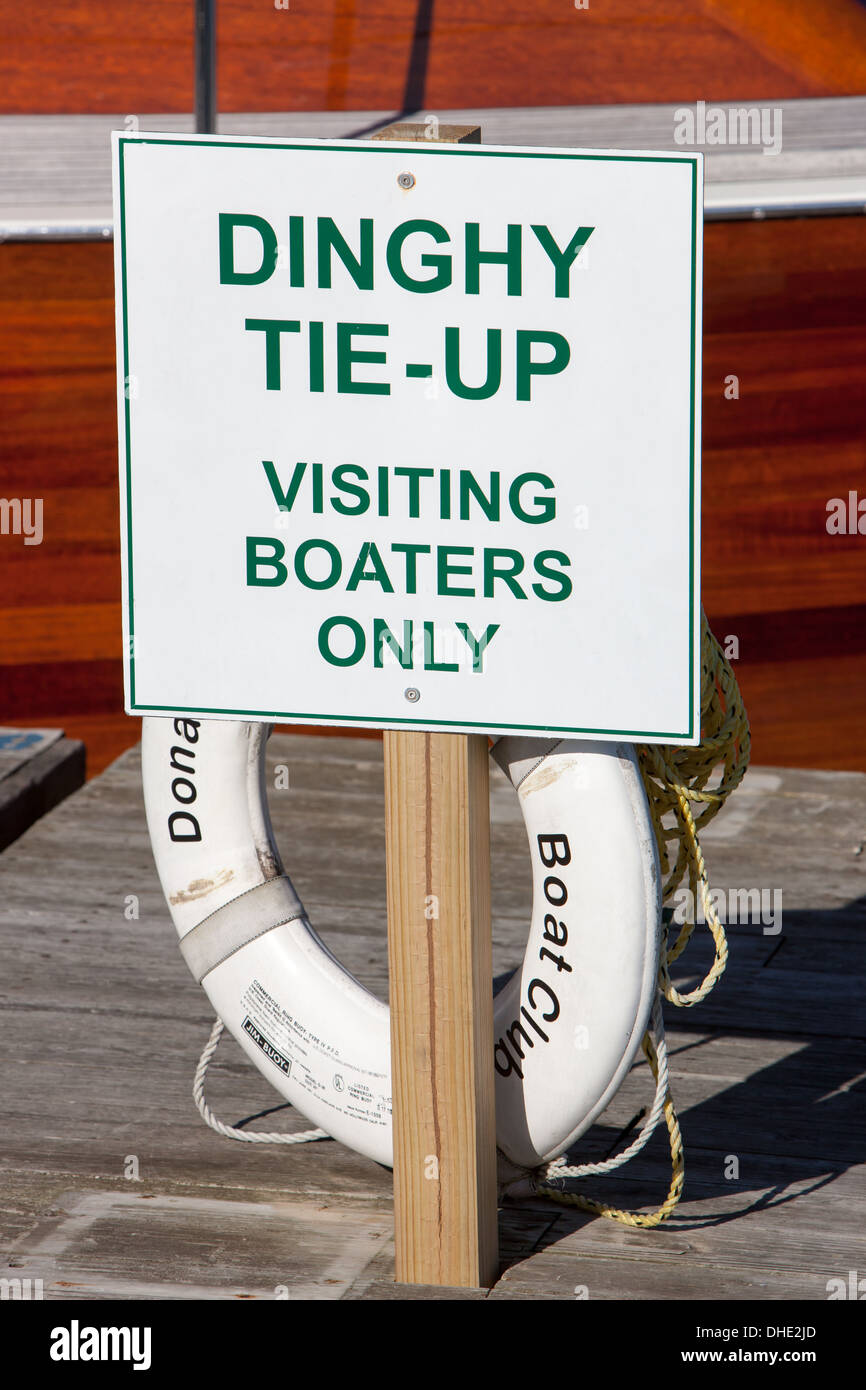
{"x": 38, "y": 768}
{"x": 55, "y": 171}
{"x": 102, "y": 1026}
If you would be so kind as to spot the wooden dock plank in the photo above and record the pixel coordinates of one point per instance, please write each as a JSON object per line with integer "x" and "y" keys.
{"x": 56, "y": 168}
{"x": 33, "y": 781}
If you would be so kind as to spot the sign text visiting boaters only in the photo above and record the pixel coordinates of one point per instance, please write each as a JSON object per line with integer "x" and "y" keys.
{"x": 410, "y": 434}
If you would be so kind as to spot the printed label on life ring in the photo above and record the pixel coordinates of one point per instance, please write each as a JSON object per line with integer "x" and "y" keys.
{"x": 267, "y": 1047}
{"x": 313, "y": 1063}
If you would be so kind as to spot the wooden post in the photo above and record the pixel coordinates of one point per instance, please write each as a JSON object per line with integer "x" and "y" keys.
{"x": 438, "y": 841}
{"x": 431, "y": 129}
{"x": 440, "y": 960}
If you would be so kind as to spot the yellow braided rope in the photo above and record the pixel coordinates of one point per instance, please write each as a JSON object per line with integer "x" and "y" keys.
{"x": 633, "y": 1218}
{"x": 674, "y": 778}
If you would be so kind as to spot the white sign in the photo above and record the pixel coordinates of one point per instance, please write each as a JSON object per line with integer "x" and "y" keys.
{"x": 410, "y": 434}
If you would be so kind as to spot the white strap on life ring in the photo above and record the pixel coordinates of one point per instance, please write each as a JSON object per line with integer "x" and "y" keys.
{"x": 566, "y": 1025}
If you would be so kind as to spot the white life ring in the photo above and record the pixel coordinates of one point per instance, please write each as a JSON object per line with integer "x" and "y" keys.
{"x": 567, "y": 1025}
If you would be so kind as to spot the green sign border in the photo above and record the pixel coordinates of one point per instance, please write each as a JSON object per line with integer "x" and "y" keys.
{"x": 462, "y": 152}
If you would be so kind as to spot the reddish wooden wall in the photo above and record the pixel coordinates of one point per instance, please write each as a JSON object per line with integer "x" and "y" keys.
{"x": 785, "y": 311}
{"x": 108, "y": 56}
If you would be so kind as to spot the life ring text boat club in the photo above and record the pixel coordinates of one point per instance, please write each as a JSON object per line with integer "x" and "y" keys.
{"x": 409, "y": 440}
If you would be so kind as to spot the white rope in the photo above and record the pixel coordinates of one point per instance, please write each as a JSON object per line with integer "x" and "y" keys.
{"x": 558, "y": 1167}
{"x": 229, "y": 1131}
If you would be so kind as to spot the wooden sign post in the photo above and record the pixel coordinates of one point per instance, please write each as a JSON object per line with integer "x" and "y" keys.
{"x": 439, "y": 945}
{"x": 440, "y": 963}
